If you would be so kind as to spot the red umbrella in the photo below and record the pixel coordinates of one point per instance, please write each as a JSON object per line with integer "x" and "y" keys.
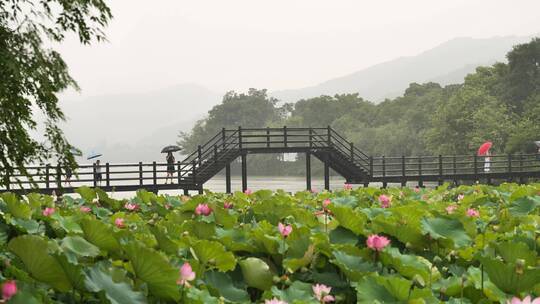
{"x": 484, "y": 148}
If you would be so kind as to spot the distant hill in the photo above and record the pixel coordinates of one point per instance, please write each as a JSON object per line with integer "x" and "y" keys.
{"x": 133, "y": 127}
{"x": 447, "y": 63}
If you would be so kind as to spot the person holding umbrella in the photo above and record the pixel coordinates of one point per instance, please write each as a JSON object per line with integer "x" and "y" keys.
{"x": 484, "y": 151}
{"x": 170, "y": 161}
{"x": 97, "y": 167}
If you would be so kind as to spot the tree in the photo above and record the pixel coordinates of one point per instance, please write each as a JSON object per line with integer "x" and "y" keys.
{"x": 31, "y": 76}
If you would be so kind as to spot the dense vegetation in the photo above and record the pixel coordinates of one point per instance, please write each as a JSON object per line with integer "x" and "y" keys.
{"x": 500, "y": 103}
{"x": 32, "y": 74}
{"x": 464, "y": 245}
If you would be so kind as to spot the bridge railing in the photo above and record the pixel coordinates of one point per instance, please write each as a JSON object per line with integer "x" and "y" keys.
{"x": 453, "y": 165}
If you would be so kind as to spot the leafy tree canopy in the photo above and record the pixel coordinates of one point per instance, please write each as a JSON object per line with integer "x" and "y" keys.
{"x": 32, "y": 74}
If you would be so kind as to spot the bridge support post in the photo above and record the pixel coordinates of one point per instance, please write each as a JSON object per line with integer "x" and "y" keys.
{"x": 327, "y": 172}
{"x": 244, "y": 172}
{"x": 228, "y": 178}
{"x": 186, "y": 192}
{"x": 308, "y": 171}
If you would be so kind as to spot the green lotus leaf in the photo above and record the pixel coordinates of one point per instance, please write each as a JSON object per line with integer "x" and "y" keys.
{"x": 19, "y": 209}
{"x": 197, "y": 296}
{"x": 225, "y": 285}
{"x": 32, "y": 250}
{"x": 377, "y": 289}
{"x": 349, "y": 218}
{"x": 98, "y": 279}
{"x": 154, "y": 269}
{"x": 79, "y": 246}
{"x": 474, "y": 277}
{"x": 68, "y": 223}
{"x": 24, "y": 297}
{"x": 511, "y": 251}
{"x": 524, "y": 205}
{"x": 100, "y": 234}
{"x": 342, "y": 235}
{"x": 353, "y": 266}
{"x": 408, "y": 265}
{"x": 164, "y": 242}
{"x": 74, "y": 272}
{"x": 298, "y": 291}
{"x": 88, "y": 194}
{"x": 235, "y": 239}
{"x": 224, "y": 218}
{"x": 450, "y": 230}
{"x": 214, "y": 254}
{"x": 345, "y": 201}
{"x": 146, "y": 196}
{"x": 404, "y": 232}
{"x": 30, "y": 226}
{"x": 508, "y": 278}
{"x": 257, "y": 273}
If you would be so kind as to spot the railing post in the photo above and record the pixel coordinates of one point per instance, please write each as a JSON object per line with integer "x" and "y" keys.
{"x": 179, "y": 172}
{"x": 154, "y": 172}
{"x": 329, "y": 136}
{"x": 223, "y": 137}
{"x": 440, "y": 169}
{"x": 193, "y": 172}
{"x": 454, "y": 164}
{"x": 107, "y": 175}
{"x": 8, "y": 185}
{"x": 420, "y": 181}
{"x": 509, "y": 163}
{"x": 215, "y": 153}
{"x": 403, "y": 172}
{"x": 310, "y": 137}
{"x": 352, "y": 152}
{"x": 47, "y": 186}
{"x": 140, "y": 174}
{"x": 520, "y": 162}
{"x": 228, "y": 178}
{"x": 244, "y": 172}
{"x": 475, "y": 167}
{"x": 371, "y": 166}
{"x": 94, "y": 174}
{"x": 267, "y": 137}
{"x": 240, "y": 137}
{"x": 199, "y": 153}
{"x": 285, "y": 136}
{"x": 384, "y": 171}
{"x": 58, "y": 177}
{"x": 308, "y": 171}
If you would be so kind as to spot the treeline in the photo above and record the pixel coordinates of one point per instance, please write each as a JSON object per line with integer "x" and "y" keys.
{"x": 500, "y": 103}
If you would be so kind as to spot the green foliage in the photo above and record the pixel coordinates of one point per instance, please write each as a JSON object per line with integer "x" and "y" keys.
{"x": 432, "y": 257}
{"x": 33, "y": 74}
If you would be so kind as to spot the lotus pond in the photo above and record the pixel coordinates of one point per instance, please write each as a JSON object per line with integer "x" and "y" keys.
{"x": 471, "y": 244}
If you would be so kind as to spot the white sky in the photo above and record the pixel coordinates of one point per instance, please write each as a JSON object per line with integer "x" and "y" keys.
{"x": 277, "y": 44}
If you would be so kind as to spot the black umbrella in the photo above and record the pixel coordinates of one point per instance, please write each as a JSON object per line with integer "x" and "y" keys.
{"x": 171, "y": 148}
{"x": 94, "y": 155}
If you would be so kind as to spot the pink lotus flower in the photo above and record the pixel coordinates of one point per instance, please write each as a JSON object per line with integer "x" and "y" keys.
{"x": 473, "y": 212}
{"x": 451, "y": 208}
{"x": 227, "y": 205}
{"x": 131, "y": 206}
{"x": 186, "y": 274}
{"x": 274, "y": 301}
{"x": 248, "y": 192}
{"x": 48, "y": 211}
{"x": 417, "y": 189}
{"x": 119, "y": 222}
{"x": 460, "y": 196}
{"x": 9, "y": 289}
{"x": 203, "y": 209}
{"x": 167, "y": 206}
{"x": 326, "y": 202}
{"x": 315, "y": 191}
{"x": 85, "y": 209}
{"x": 377, "y": 242}
{"x": 322, "y": 293}
{"x": 526, "y": 300}
{"x": 347, "y": 186}
{"x": 284, "y": 230}
{"x": 385, "y": 200}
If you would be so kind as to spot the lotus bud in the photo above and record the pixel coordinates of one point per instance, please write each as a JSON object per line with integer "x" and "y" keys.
{"x": 437, "y": 259}
{"x": 443, "y": 289}
{"x": 304, "y": 269}
{"x": 520, "y": 264}
{"x": 185, "y": 233}
{"x": 212, "y": 261}
{"x": 276, "y": 279}
{"x": 408, "y": 245}
{"x": 151, "y": 222}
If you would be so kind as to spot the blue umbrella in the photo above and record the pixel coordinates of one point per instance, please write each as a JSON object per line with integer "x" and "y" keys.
{"x": 93, "y": 155}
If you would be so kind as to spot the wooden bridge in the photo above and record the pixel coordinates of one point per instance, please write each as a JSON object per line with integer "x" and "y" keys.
{"x": 325, "y": 144}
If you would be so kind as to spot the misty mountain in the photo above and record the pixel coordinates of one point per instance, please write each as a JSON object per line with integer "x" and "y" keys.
{"x": 447, "y": 63}
{"x": 134, "y": 127}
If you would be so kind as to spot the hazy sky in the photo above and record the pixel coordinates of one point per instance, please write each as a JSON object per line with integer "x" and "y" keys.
{"x": 278, "y": 44}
